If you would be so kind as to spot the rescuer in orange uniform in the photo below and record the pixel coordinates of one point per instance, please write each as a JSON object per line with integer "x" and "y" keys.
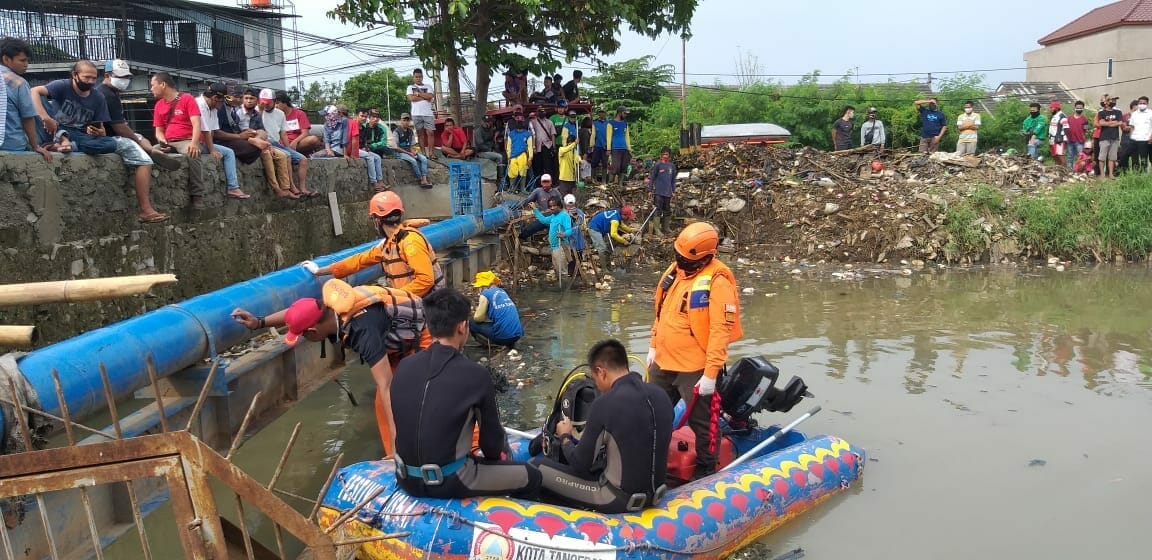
{"x": 407, "y": 257}
{"x": 381, "y": 324}
{"x": 697, "y": 317}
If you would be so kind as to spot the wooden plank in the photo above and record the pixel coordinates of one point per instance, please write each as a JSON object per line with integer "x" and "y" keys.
{"x": 334, "y": 208}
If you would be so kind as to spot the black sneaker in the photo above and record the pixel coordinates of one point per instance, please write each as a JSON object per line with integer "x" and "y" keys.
{"x": 164, "y": 161}
{"x": 425, "y": 185}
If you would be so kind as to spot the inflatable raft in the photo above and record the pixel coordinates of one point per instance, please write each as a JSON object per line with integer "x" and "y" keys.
{"x": 709, "y": 518}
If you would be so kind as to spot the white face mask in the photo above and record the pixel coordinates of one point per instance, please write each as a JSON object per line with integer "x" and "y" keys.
{"x": 1142, "y": 107}
{"x": 121, "y": 84}
{"x": 968, "y": 110}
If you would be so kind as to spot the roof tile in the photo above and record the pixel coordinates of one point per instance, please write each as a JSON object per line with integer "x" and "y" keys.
{"x": 1124, "y": 12}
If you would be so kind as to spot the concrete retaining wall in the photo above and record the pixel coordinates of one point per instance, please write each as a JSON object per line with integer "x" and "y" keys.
{"x": 76, "y": 218}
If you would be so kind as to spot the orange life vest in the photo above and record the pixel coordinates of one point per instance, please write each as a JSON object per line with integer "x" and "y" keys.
{"x": 396, "y": 268}
{"x": 695, "y": 305}
{"x": 408, "y": 332}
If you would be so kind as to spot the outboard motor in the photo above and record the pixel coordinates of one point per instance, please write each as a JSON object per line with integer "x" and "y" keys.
{"x": 750, "y": 387}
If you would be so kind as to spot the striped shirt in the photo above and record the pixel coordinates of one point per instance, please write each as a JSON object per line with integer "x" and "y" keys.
{"x": 969, "y": 135}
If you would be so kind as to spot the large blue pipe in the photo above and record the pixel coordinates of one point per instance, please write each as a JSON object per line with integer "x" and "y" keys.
{"x": 179, "y": 335}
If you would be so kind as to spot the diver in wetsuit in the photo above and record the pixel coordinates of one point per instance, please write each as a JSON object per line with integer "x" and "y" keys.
{"x": 621, "y": 460}
{"x": 438, "y": 397}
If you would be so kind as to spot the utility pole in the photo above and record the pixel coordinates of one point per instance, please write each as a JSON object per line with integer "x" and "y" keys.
{"x": 683, "y": 82}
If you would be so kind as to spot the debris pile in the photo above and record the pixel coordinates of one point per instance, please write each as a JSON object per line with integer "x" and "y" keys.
{"x": 859, "y": 205}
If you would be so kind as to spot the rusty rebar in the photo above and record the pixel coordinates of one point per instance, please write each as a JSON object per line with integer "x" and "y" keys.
{"x": 352, "y": 512}
{"x": 91, "y": 522}
{"x": 244, "y": 528}
{"x": 156, "y": 393}
{"x": 6, "y": 540}
{"x": 108, "y": 396}
{"x": 291, "y": 495}
{"x": 324, "y": 489}
{"x": 63, "y": 408}
{"x": 203, "y": 395}
{"x": 279, "y": 534}
{"x": 21, "y": 418}
{"x": 362, "y": 540}
{"x": 139, "y": 519}
{"x": 284, "y": 456}
{"x": 58, "y": 419}
{"x": 52, "y": 552}
{"x": 243, "y": 426}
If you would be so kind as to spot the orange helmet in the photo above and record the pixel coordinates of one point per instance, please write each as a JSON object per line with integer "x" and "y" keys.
{"x": 697, "y": 241}
{"x": 384, "y": 203}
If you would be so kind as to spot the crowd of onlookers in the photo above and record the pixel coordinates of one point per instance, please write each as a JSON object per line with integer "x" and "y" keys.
{"x": 1103, "y": 144}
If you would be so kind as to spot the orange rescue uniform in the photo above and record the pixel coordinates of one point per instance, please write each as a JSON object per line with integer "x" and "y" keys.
{"x": 407, "y": 335}
{"x": 408, "y": 260}
{"x": 697, "y": 318}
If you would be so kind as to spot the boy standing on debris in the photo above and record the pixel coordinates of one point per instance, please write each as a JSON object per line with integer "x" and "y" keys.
{"x": 968, "y": 123}
{"x": 842, "y": 130}
{"x": 933, "y": 126}
{"x": 662, "y": 182}
{"x": 1057, "y": 132}
{"x": 619, "y": 142}
{"x": 1035, "y": 130}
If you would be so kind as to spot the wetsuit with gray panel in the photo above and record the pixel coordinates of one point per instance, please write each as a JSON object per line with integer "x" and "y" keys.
{"x": 621, "y": 460}
{"x": 438, "y": 397}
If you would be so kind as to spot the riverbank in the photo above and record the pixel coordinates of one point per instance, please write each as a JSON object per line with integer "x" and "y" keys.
{"x": 885, "y": 206}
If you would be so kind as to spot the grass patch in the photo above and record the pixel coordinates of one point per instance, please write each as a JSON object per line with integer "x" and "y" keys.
{"x": 965, "y": 236}
{"x": 988, "y": 199}
{"x": 1098, "y": 219}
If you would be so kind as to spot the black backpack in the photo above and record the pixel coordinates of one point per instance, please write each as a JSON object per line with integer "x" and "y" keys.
{"x": 573, "y": 401}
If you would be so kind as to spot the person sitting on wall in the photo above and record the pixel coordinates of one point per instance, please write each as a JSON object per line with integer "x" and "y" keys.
{"x": 496, "y": 319}
{"x": 380, "y": 324}
{"x": 439, "y": 397}
{"x": 297, "y": 127}
{"x": 454, "y": 142}
{"x": 249, "y": 145}
{"x": 620, "y": 462}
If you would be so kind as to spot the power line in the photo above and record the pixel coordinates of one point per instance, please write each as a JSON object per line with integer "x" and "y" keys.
{"x": 969, "y": 71}
{"x": 775, "y": 95}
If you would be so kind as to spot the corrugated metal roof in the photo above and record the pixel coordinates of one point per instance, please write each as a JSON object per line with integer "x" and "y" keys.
{"x": 1125, "y": 12}
{"x": 740, "y": 130}
{"x": 1028, "y": 92}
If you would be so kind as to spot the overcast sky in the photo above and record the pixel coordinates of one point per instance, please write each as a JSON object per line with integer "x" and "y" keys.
{"x": 897, "y": 39}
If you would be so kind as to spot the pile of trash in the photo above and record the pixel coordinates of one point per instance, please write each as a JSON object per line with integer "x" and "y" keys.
{"x": 861, "y": 205}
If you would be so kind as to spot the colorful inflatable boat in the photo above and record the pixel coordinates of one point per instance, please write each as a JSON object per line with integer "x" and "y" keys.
{"x": 709, "y": 518}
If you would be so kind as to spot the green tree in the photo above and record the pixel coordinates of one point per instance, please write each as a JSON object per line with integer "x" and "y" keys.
{"x": 383, "y": 89}
{"x": 319, "y": 95}
{"x": 634, "y": 84}
{"x": 552, "y": 30}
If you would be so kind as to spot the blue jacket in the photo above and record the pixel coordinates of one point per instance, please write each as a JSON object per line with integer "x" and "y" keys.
{"x": 503, "y": 313}
{"x": 577, "y": 240}
{"x": 556, "y": 223}
{"x": 602, "y": 222}
{"x": 520, "y": 139}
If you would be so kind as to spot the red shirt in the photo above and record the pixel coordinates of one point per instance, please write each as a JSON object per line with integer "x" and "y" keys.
{"x": 179, "y": 127}
{"x": 1076, "y": 127}
{"x": 455, "y": 139}
{"x": 296, "y": 123}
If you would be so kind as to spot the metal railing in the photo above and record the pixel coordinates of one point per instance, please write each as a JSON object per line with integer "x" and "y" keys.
{"x": 106, "y": 477}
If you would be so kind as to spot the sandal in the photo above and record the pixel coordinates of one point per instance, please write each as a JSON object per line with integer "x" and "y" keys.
{"x": 237, "y": 193}
{"x": 153, "y": 218}
{"x": 312, "y": 194}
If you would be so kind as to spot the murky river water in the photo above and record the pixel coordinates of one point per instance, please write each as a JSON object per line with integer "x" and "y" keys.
{"x": 1003, "y": 412}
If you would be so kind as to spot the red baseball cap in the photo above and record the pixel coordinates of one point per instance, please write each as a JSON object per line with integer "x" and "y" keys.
{"x": 302, "y": 315}
{"x": 1054, "y": 105}
{"x": 627, "y": 213}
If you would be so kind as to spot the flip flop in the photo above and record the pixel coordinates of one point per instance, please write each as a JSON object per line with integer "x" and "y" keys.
{"x": 153, "y": 218}
{"x": 312, "y": 194}
{"x": 239, "y": 195}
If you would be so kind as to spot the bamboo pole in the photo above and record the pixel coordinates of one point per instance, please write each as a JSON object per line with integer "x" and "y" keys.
{"x": 18, "y": 336}
{"x": 67, "y": 291}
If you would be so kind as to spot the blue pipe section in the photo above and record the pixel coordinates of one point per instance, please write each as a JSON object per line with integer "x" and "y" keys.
{"x": 178, "y": 336}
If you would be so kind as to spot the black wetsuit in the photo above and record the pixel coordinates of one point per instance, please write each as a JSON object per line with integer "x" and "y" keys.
{"x": 621, "y": 460}
{"x": 438, "y": 396}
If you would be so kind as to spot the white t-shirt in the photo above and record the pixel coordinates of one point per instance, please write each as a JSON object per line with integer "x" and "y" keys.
{"x": 1141, "y": 122}
{"x": 209, "y": 118}
{"x": 274, "y": 122}
{"x": 421, "y": 108}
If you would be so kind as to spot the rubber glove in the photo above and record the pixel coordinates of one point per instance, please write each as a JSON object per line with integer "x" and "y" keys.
{"x": 310, "y": 266}
{"x": 651, "y": 356}
{"x": 706, "y": 386}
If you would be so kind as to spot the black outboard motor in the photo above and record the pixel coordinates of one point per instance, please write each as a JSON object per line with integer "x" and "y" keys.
{"x": 750, "y": 387}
